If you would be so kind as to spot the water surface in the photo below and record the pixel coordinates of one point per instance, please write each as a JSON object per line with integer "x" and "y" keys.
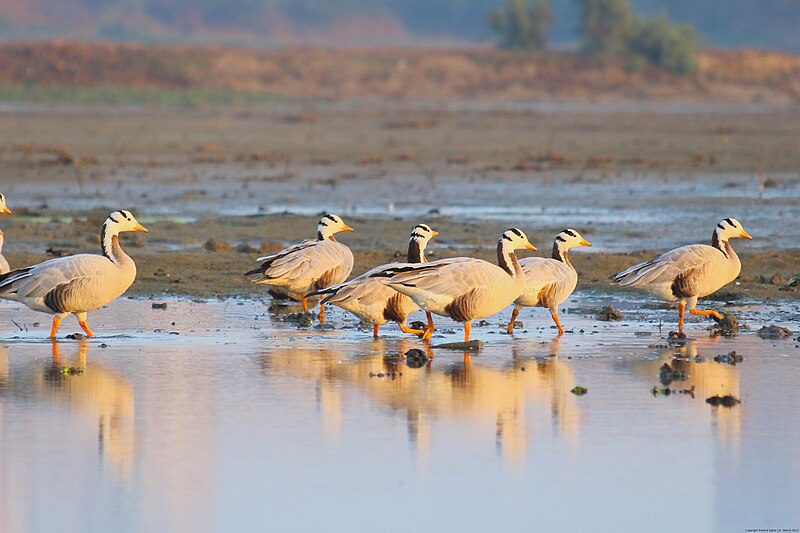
{"x": 231, "y": 419}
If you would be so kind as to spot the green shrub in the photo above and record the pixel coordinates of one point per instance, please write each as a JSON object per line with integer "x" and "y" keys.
{"x": 522, "y": 24}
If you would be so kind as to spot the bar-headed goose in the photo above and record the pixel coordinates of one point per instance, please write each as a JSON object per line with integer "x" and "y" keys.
{"x": 308, "y": 266}
{"x": 3, "y": 209}
{"x": 549, "y": 281}
{"x": 690, "y": 272}
{"x": 373, "y": 301}
{"x": 464, "y": 288}
{"x": 79, "y": 283}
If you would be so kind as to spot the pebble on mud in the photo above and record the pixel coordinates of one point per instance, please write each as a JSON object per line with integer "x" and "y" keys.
{"x": 608, "y": 314}
{"x": 724, "y": 401}
{"x": 76, "y": 336}
{"x": 159, "y": 305}
{"x": 579, "y": 391}
{"x": 303, "y": 320}
{"x": 213, "y": 245}
{"x": 774, "y": 332}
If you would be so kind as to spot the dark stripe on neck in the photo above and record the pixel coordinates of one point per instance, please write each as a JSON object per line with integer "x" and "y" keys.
{"x": 104, "y": 246}
{"x": 416, "y": 253}
{"x": 558, "y": 254}
{"x": 502, "y": 259}
{"x": 320, "y": 236}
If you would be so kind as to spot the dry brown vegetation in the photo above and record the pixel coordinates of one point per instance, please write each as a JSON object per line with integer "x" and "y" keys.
{"x": 402, "y": 74}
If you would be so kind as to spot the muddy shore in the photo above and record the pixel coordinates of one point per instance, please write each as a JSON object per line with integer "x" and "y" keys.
{"x": 635, "y": 181}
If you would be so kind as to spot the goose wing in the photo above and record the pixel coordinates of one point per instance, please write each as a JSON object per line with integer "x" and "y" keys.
{"x": 357, "y": 287}
{"x": 668, "y": 266}
{"x": 541, "y": 271}
{"x": 447, "y": 277}
{"x": 38, "y": 280}
{"x": 308, "y": 260}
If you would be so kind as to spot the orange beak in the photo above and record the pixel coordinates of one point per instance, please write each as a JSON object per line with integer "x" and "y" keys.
{"x": 529, "y": 246}
{"x": 435, "y": 233}
{"x": 584, "y": 242}
{"x": 6, "y": 210}
{"x": 745, "y": 235}
{"x": 346, "y": 228}
{"x": 139, "y": 227}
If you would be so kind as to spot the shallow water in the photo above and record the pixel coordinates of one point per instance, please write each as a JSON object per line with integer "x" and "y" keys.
{"x": 231, "y": 419}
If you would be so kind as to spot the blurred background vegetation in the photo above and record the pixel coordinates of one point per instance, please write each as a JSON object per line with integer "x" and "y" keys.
{"x": 265, "y": 23}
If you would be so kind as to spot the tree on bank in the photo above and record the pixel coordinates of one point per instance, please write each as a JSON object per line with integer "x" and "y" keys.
{"x": 522, "y": 24}
{"x": 608, "y": 28}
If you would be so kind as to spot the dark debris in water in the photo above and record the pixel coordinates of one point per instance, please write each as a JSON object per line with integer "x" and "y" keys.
{"x": 418, "y": 324}
{"x": 724, "y": 401}
{"x": 416, "y": 358}
{"x": 727, "y": 327}
{"x": 730, "y": 358}
{"x": 676, "y": 338}
{"x": 666, "y": 391}
{"x": 608, "y": 314}
{"x": 774, "y": 332}
{"x": 579, "y": 390}
{"x": 71, "y": 370}
{"x": 667, "y": 374}
{"x": 76, "y": 336}
{"x": 380, "y": 375}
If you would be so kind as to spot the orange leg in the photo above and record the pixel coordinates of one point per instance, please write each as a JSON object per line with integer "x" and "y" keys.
{"x": 407, "y": 329}
{"x": 428, "y": 330}
{"x": 56, "y": 353}
{"x": 467, "y": 328}
{"x": 85, "y": 328}
{"x": 375, "y": 330}
{"x": 321, "y": 313}
{"x": 514, "y": 315}
{"x": 54, "y": 329}
{"x": 710, "y": 312}
{"x": 305, "y": 305}
{"x": 558, "y": 324}
{"x": 681, "y": 309}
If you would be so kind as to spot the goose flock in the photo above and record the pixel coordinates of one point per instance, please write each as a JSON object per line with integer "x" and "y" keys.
{"x": 461, "y": 288}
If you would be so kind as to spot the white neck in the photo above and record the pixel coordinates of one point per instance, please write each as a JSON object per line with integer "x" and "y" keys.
{"x": 109, "y": 242}
{"x": 2, "y": 238}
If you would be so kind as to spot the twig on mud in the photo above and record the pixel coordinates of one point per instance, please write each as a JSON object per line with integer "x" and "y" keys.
{"x": 20, "y": 327}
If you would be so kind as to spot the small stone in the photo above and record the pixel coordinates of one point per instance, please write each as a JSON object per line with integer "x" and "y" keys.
{"x": 608, "y": 314}
{"x": 213, "y": 245}
{"x": 159, "y": 305}
{"x": 774, "y": 332}
{"x": 579, "y": 390}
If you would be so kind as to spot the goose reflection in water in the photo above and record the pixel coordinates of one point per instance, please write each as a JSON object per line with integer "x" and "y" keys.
{"x": 96, "y": 395}
{"x": 441, "y": 389}
{"x": 695, "y": 375}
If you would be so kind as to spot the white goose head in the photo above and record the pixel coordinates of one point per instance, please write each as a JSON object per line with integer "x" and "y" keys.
{"x": 421, "y": 234}
{"x": 514, "y": 239}
{"x": 567, "y": 240}
{"x": 116, "y": 223}
{"x": 730, "y": 228}
{"x": 122, "y": 220}
{"x": 329, "y": 225}
{"x": 3, "y": 207}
